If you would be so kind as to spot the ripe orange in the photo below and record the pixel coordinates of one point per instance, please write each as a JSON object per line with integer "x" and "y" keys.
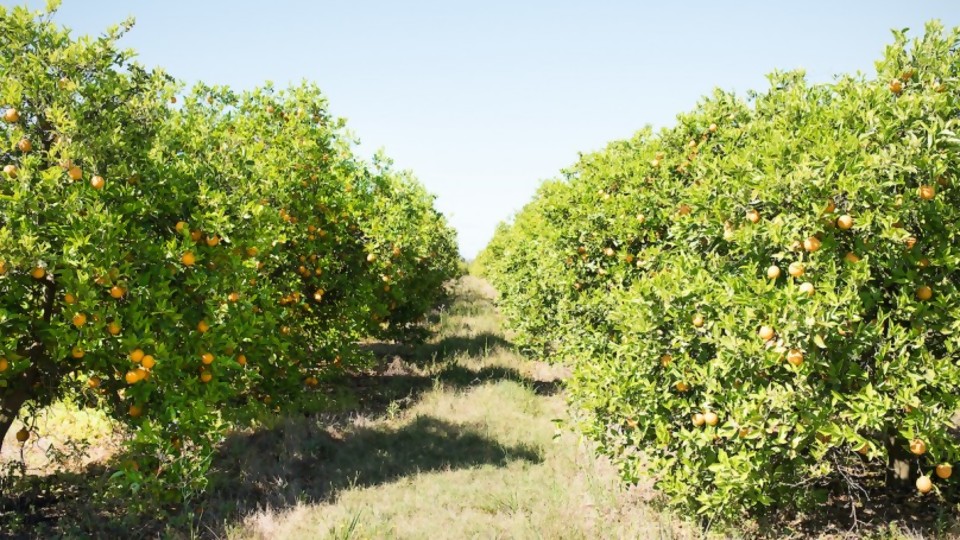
{"x": 698, "y": 419}
{"x": 796, "y": 269}
{"x": 766, "y": 333}
{"x": 113, "y": 328}
{"x": 795, "y": 357}
{"x": 666, "y": 360}
{"x": 69, "y": 298}
{"x": 38, "y": 273}
{"x": 682, "y": 387}
{"x": 203, "y": 327}
{"x": 923, "y": 262}
{"x": 371, "y": 257}
{"x": 79, "y": 320}
{"x": 910, "y": 242}
{"x": 845, "y": 222}
{"x": 807, "y": 288}
{"x": 25, "y": 145}
{"x": 944, "y": 471}
{"x": 188, "y": 259}
{"x": 698, "y": 320}
{"x": 148, "y": 362}
{"x": 712, "y": 128}
{"x": 11, "y": 115}
{"x": 135, "y": 411}
{"x": 711, "y": 418}
{"x": 684, "y": 209}
{"x": 831, "y": 206}
{"x": 4, "y": 364}
{"x": 93, "y": 382}
{"x": 23, "y": 435}
{"x": 136, "y": 356}
{"x": 206, "y": 376}
{"x": 97, "y": 182}
{"x": 132, "y": 377}
{"x": 609, "y": 252}
{"x": 234, "y": 297}
{"x": 924, "y": 484}
{"x": 927, "y": 192}
{"x": 851, "y": 257}
{"x": 242, "y": 360}
{"x": 207, "y": 358}
{"x": 924, "y": 293}
{"x": 117, "y": 292}
{"x": 180, "y": 226}
{"x": 75, "y": 173}
{"x": 918, "y": 447}
{"x": 811, "y": 244}
{"x": 773, "y": 272}
{"x": 196, "y": 235}
{"x": 252, "y": 252}
{"x": 10, "y": 170}
{"x": 896, "y": 86}
{"x": 213, "y": 240}
{"x": 753, "y": 216}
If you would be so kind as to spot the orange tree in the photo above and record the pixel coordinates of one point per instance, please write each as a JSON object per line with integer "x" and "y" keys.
{"x": 186, "y": 265}
{"x": 762, "y": 301}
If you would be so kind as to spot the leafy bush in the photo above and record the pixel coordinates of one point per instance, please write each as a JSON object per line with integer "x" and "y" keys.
{"x": 763, "y": 298}
{"x": 188, "y": 265}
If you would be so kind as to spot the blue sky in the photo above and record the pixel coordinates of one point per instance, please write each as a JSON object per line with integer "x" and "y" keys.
{"x": 483, "y": 100}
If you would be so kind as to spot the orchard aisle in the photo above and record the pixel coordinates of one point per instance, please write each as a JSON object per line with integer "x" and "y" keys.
{"x": 460, "y": 444}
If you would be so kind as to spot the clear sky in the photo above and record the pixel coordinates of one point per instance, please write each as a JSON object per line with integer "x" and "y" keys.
{"x": 484, "y": 99}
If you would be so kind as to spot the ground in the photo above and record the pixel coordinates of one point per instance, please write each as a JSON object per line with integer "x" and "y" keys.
{"x": 460, "y": 437}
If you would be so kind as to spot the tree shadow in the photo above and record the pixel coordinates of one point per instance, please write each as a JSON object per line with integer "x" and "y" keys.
{"x": 301, "y": 461}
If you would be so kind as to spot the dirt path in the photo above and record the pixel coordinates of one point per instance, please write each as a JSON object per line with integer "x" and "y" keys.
{"x": 461, "y": 443}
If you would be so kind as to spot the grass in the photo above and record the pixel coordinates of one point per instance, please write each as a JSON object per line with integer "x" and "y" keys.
{"x": 457, "y": 437}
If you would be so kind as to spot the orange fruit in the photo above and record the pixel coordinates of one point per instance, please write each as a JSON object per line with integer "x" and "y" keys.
{"x": 766, "y": 333}
{"x": 206, "y": 376}
{"x": 196, "y": 235}
{"x": 923, "y": 262}
{"x": 135, "y": 411}
{"x": 77, "y": 352}
{"x": 10, "y": 170}
{"x": 698, "y": 419}
{"x": 188, "y": 259}
{"x": 753, "y": 216}
{"x": 807, "y": 288}
{"x": 924, "y": 293}
{"x": 927, "y": 192}
{"x": 851, "y": 257}
{"x": 234, "y": 297}
{"x": 924, "y": 484}
{"x": 242, "y": 360}
{"x": 666, "y": 360}
{"x": 38, "y": 273}
{"x": 698, "y": 320}
{"x": 117, "y": 292}
{"x": 371, "y": 257}
{"x": 609, "y": 252}
{"x": 25, "y": 145}
{"x": 845, "y": 222}
{"x": 773, "y": 272}
{"x": 896, "y": 86}
{"x": 23, "y": 435}
{"x": 3, "y": 267}
{"x": 795, "y": 357}
{"x": 711, "y": 418}
{"x": 93, "y": 382}
{"x": 136, "y": 356}
{"x": 712, "y": 128}
{"x": 79, "y": 320}
{"x": 132, "y": 377}
{"x": 207, "y": 358}
{"x": 203, "y": 327}
{"x": 180, "y": 226}
{"x": 682, "y": 387}
{"x": 910, "y": 242}
{"x": 944, "y": 471}
{"x": 113, "y": 328}
{"x": 213, "y": 240}
{"x": 97, "y": 182}
{"x": 831, "y": 206}
{"x": 70, "y": 298}
{"x": 796, "y": 269}
{"x": 811, "y": 244}
{"x": 75, "y": 173}
{"x": 148, "y": 362}
{"x": 918, "y": 447}
{"x": 11, "y": 115}
{"x": 252, "y": 252}
{"x": 4, "y": 364}
{"x": 684, "y": 209}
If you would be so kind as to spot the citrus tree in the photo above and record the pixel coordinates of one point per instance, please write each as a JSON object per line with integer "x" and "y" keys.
{"x": 761, "y": 301}
{"x": 187, "y": 261}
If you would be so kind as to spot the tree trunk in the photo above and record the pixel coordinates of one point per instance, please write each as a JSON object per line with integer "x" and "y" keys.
{"x": 898, "y": 464}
